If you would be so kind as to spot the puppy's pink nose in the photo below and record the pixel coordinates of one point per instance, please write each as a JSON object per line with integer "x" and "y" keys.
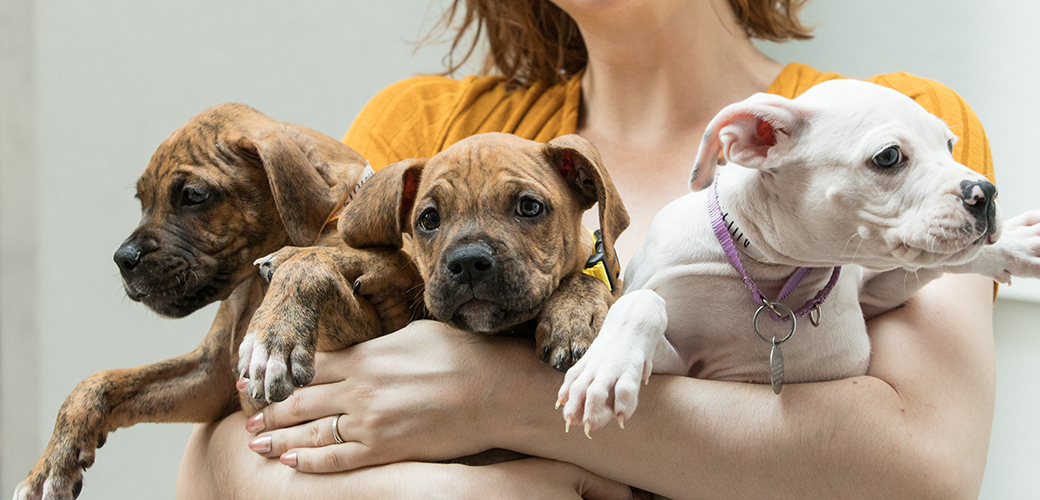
{"x": 980, "y": 200}
{"x": 975, "y": 196}
{"x": 978, "y": 193}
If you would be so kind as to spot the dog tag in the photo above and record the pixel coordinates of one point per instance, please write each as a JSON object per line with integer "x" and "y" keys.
{"x": 776, "y": 368}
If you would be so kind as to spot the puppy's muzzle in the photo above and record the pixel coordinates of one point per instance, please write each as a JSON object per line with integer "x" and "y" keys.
{"x": 469, "y": 264}
{"x": 128, "y": 256}
{"x": 980, "y": 201}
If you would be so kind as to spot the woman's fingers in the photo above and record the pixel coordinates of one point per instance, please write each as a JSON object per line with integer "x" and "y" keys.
{"x": 312, "y": 447}
{"x": 315, "y": 434}
{"x": 304, "y": 405}
{"x": 336, "y": 458}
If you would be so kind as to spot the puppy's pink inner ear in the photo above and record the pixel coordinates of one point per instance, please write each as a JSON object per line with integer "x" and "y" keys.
{"x": 409, "y": 191}
{"x": 567, "y": 169}
{"x": 766, "y": 134}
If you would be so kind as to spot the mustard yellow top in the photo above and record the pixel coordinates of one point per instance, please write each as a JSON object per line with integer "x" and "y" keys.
{"x": 421, "y": 116}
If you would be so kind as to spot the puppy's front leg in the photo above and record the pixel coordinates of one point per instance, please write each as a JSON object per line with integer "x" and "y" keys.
{"x": 1015, "y": 253}
{"x": 321, "y": 298}
{"x": 195, "y": 387}
{"x": 604, "y": 384}
{"x": 570, "y": 319}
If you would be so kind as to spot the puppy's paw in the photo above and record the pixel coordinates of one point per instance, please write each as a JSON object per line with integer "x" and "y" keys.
{"x": 570, "y": 320}
{"x": 276, "y": 358}
{"x": 277, "y": 353}
{"x": 315, "y": 300}
{"x": 48, "y": 487}
{"x": 562, "y": 340}
{"x": 1015, "y": 253}
{"x": 58, "y": 474}
{"x": 269, "y": 263}
{"x": 1020, "y": 245}
{"x": 603, "y": 386}
{"x": 59, "y": 484}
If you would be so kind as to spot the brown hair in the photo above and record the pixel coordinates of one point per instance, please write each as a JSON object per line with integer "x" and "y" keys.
{"x": 532, "y": 41}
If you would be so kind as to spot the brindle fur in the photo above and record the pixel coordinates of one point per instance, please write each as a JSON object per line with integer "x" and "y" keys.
{"x": 310, "y": 307}
{"x": 267, "y": 184}
{"x": 537, "y": 284}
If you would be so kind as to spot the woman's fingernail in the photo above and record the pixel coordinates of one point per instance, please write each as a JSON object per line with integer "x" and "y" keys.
{"x": 242, "y": 384}
{"x": 261, "y": 444}
{"x": 288, "y": 458}
{"x": 255, "y": 423}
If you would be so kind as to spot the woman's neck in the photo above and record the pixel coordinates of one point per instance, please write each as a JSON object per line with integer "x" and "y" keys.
{"x": 666, "y": 67}
{"x": 658, "y": 72}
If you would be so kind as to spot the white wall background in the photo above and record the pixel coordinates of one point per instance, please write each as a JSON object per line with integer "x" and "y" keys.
{"x": 88, "y": 89}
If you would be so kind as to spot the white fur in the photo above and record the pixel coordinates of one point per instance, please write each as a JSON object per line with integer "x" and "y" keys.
{"x": 810, "y": 197}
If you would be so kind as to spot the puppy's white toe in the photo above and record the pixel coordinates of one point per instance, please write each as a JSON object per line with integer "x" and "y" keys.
{"x": 263, "y": 259}
{"x": 245, "y": 354}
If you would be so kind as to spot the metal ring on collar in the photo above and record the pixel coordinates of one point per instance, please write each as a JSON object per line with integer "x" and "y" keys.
{"x": 776, "y": 306}
{"x": 335, "y": 429}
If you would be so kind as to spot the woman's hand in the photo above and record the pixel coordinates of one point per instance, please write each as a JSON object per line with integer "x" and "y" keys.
{"x": 215, "y": 460}
{"x": 423, "y": 393}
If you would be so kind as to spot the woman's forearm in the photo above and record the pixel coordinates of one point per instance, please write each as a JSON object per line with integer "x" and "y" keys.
{"x": 917, "y": 426}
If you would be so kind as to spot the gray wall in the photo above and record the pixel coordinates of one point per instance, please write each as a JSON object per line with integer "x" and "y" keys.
{"x": 88, "y": 89}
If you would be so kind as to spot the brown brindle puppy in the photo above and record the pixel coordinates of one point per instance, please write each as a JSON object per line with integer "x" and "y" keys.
{"x": 227, "y": 187}
{"x": 495, "y": 224}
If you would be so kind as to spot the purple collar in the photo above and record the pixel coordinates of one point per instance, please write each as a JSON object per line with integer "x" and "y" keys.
{"x": 719, "y": 225}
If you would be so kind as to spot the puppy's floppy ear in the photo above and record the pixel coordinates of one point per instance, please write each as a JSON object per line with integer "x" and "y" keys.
{"x": 379, "y": 213}
{"x": 302, "y": 196}
{"x": 745, "y": 133}
{"x": 579, "y": 163}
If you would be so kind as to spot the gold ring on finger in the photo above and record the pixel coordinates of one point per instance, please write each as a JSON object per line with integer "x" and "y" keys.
{"x": 335, "y": 429}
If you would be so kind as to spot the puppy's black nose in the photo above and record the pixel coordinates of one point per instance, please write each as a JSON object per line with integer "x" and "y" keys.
{"x": 129, "y": 254}
{"x": 980, "y": 200}
{"x": 470, "y": 263}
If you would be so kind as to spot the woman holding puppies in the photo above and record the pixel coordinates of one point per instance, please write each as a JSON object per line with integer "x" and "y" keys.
{"x": 640, "y": 79}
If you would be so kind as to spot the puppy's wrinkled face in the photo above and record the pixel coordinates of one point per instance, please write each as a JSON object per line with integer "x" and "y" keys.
{"x": 495, "y": 228}
{"x": 870, "y": 179}
{"x": 204, "y": 220}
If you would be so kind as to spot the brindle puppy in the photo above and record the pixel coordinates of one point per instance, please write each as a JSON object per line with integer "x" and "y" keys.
{"x": 227, "y": 187}
{"x": 494, "y": 226}
{"x": 495, "y": 222}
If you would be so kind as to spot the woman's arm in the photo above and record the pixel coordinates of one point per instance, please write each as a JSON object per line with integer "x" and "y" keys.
{"x": 917, "y": 426}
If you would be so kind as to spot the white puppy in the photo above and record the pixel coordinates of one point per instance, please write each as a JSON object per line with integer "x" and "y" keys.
{"x": 848, "y": 173}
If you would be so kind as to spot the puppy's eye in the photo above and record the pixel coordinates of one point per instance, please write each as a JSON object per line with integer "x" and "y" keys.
{"x": 193, "y": 196}
{"x": 949, "y": 145}
{"x": 888, "y": 157}
{"x": 529, "y": 207}
{"x": 429, "y": 220}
